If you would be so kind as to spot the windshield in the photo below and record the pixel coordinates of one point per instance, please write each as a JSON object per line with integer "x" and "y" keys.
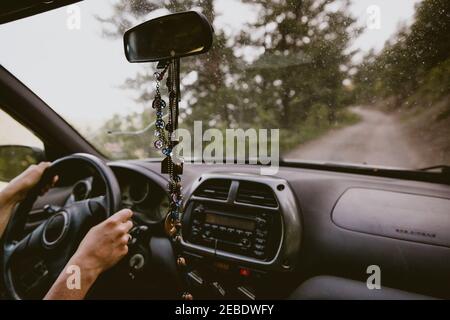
{"x": 362, "y": 82}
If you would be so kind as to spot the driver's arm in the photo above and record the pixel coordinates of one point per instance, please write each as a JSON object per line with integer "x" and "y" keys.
{"x": 17, "y": 189}
{"x": 102, "y": 247}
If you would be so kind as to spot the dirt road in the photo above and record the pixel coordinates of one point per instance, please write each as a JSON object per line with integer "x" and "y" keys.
{"x": 378, "y": 139}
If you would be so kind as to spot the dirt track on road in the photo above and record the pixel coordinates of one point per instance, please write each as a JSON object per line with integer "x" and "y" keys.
{"x": 378, "y": 139}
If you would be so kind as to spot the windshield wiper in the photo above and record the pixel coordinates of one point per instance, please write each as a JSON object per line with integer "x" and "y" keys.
{"x": 425, "y": 174}
{"x": 442, "y": 168}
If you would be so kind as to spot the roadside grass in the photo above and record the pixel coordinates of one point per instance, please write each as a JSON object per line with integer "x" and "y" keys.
{"x": 316, "y": 125}
{"x": 426, "y": 122}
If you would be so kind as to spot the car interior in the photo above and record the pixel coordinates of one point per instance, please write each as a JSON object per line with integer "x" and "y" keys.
{"x": 313, "y": 230}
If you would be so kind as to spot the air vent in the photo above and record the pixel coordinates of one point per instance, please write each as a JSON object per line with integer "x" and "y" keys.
{"x": 214, "y": 189}
{"x": 257, "y": 194}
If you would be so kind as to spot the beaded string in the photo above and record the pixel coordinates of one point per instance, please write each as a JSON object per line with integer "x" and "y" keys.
{"x": 165, "y": 141}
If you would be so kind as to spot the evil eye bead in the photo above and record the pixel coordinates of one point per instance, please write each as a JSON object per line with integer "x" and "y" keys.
{"x": 159, "y": 104}
{"x": 160, "y": 124}
{"x": 159, "y": 114}
{"x": 174, "y": 215}
{"x": 158, "y": 133}
{"x": 167, "y": 151}
{"x": 158, "y": 144}
{"x": 179, "y": 203}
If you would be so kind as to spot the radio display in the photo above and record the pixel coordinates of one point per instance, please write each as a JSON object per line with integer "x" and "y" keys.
{"x": 227, "y": 221}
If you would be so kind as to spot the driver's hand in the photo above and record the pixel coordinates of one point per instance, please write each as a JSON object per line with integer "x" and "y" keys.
{"x": 106, "y": 243}
{"x": 17, "y": 189}
{"x": 102, "y": 247}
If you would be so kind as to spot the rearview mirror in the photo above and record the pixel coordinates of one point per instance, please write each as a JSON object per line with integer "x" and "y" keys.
{"x": 169, "y": 37}
{"x": 15, "y": 159}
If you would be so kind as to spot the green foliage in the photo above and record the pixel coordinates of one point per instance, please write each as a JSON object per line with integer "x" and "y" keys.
{"x": 302, "y": 59}
{"x": 436, "y": 83}
{"x": 14, "y": 160}
{"x": 416, "y": 59}
{"x": 293, "y": 79}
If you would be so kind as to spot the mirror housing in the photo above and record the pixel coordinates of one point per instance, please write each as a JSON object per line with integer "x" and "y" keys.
{"x": 15, "y": 159}
{"x": 169, "y": 37}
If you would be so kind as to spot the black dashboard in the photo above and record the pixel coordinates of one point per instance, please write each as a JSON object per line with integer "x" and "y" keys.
{"x": 409, "y": 241}
{"x": 253, "y": 237}
{"x": 147, "y": 199}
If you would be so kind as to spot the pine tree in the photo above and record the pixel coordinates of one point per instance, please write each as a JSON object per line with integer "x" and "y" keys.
{"x": 304, "y": 55}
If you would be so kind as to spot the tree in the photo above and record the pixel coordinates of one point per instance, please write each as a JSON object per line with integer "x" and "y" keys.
{"x": 298, "y": 61}
{"x": 304, "y": 57}
{"x": 410, "y": 57}
{"x": 209, "y": 91}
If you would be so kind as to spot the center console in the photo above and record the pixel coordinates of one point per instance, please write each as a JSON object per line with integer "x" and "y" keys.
{"x": 237, "y": 232}
{"x": 248, "y": 232}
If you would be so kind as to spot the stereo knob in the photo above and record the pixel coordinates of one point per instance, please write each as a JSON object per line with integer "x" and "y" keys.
{"x": 261, "y": 223}
{"x": 137, "y": 261}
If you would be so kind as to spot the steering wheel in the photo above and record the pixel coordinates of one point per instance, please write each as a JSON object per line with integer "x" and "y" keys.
{"x": 32, "y": 262}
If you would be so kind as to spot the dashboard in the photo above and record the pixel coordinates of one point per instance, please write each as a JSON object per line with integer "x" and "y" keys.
{"x": 324, "y": 223}
{"x": 247, "y": 236}
{"x": 148, "y": 200}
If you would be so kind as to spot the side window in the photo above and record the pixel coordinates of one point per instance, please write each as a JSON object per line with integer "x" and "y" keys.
{"x": 19, "y": 148}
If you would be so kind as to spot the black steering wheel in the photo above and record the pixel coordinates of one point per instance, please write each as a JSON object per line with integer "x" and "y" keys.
{"x": 32, "y": 262}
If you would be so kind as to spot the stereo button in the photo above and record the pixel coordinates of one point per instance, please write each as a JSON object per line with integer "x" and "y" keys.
{"x": 260, "y": 241}
{"x": 260, "y": 247}
{"x": 258, "y": 253}
{"x": 261, "y": 223}
{"x": 261, "y": 234}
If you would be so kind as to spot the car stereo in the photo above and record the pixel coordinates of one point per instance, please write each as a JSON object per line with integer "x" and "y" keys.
{"x": 249, "y": 232}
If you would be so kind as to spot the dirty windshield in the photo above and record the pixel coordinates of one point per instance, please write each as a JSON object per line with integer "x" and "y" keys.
{"x": 361, "y": 82}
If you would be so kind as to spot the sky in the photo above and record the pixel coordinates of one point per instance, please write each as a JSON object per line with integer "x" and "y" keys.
{"x": 78, "y": 72}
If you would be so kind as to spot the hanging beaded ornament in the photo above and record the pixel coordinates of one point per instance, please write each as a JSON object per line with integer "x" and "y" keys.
{"x": 165, "y": 142}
